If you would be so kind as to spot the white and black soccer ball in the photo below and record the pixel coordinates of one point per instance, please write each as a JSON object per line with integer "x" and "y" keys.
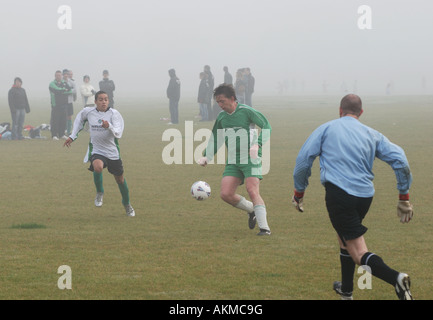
{"x": 200, "y": 190}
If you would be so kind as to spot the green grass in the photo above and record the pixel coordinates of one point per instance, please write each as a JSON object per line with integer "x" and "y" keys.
{"x": 179, "y": 248}
{"x": 28, "y": 226}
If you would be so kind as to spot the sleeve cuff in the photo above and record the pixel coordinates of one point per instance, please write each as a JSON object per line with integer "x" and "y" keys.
{"x": 404, "y": 197}
{"x": 299, "y": 194}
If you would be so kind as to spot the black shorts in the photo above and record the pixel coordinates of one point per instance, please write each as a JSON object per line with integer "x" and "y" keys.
{"x": 346, "y": 212}
{"x": 115, "y": 167}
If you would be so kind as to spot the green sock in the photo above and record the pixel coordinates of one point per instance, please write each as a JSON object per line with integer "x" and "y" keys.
{"x": 124, "y": 190}
{"x": 97, "y": 178}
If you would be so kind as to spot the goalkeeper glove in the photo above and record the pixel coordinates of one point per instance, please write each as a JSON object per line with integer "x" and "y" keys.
{"x": 404, "y": 208}
{"x": 298, "y": 201}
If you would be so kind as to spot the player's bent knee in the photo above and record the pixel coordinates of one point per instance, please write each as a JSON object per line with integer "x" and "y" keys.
{"x": 227, "y": 197}
{"x": 97, "y": 169}
{"x": 98, "y": 166}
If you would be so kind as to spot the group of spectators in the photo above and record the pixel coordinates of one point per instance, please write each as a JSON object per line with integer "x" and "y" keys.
{"x": 243, "y": 84}
{"x": 63, "y": 93}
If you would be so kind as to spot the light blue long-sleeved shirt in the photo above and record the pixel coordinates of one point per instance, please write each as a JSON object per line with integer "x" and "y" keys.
{"x": 347, "y": 149}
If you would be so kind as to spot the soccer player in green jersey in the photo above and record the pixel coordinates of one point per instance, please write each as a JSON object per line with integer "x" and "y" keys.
{"x": 235, "y": 126}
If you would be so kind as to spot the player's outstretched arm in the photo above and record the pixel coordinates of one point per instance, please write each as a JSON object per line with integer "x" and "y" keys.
{"x": 68, "y": 142}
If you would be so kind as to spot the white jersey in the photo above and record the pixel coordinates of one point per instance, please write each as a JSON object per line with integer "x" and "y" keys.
{"x": 102, "y": 141}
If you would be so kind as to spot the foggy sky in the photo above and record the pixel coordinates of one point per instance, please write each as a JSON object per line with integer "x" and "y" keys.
{"x": 302, "y": 42}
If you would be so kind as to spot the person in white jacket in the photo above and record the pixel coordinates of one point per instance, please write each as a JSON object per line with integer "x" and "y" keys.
{"x": 87, "y": 92}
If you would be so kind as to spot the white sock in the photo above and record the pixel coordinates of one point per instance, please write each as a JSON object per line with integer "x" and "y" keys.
{"x": 245, "y": 205}
{"x": 260, "y": 211}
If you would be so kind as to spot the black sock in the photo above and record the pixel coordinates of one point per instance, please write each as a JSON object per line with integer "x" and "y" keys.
{"x": 347, "y": 271}
{"x": 379, "y": 268}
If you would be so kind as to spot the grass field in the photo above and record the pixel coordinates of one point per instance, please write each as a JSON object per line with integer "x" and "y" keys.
{"x": 179, "y": 248}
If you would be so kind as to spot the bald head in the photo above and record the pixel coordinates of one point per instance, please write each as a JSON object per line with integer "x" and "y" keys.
{"x": 351, "y": 104}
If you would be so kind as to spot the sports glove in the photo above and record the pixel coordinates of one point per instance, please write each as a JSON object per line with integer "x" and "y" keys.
{"x": 202, "y": 161}
{"x": 404, "y": 208}
{"x": 298, "y": 201}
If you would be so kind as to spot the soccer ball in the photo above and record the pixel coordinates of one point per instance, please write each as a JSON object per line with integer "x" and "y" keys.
{"x": 200, "y": 190}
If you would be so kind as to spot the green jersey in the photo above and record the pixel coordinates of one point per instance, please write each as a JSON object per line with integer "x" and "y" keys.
{"x": 238, "y": 131}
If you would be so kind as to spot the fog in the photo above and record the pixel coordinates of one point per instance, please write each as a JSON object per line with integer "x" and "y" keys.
{"x": 300, "y": 43}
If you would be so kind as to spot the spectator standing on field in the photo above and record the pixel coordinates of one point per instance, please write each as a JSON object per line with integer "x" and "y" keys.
{"x": 107, "y": 86}
{"x": 203, "y": 91}
{"x": 68, "y": 78}
{"x": 240, "y": 87}
{"x": 211, "y": 83}
{"x": 249, "y": 88}
{"x": 59, "y": 91}
{"x": 173, "y": 95}
{"x": 87, "y": 92}
{"x": 19, "y": 106}
{"x": 228, "y": 78}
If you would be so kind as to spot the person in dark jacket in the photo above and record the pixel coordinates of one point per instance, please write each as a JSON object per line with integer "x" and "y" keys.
{"x": 173, "y": 95}
{"x": 240, "y": 87}
{"x": 228, "y": 78}
{"x": 59, "y": 91}
{"x": 107, "y": 86}
{"x": 249, "y": 89}
{"x": 211, "y": 84}
{"x": 202, "y": 98}
{"x": 19, "y": 106}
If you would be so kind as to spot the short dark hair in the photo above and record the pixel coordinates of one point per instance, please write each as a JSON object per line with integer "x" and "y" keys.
{"x": 226, "y": 90}
{"x": 351, "y": 104}
{"x": 18, "y": 79}
{"x": 99, "y": 93}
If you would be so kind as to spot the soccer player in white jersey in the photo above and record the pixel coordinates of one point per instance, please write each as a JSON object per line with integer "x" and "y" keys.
{"x": 347, "y": 149}
{"x": 106, "y": 127}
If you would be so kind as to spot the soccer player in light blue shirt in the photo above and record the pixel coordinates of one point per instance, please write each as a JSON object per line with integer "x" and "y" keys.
{"x": 347, "y": 149}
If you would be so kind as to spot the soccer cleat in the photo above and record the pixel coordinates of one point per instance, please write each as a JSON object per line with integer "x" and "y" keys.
{"x": 402, "y": 287}
{"x": 264, "y": 232}
{"x": 251, "y": 220}
{"x": 129, "y": 210}
{"x": 343, "y": 295}
{"x": 98, "y": 199}
{"x": 55, "y": 138}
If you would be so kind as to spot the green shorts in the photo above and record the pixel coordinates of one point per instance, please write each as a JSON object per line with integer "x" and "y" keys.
{"x": 243, "y": 171}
